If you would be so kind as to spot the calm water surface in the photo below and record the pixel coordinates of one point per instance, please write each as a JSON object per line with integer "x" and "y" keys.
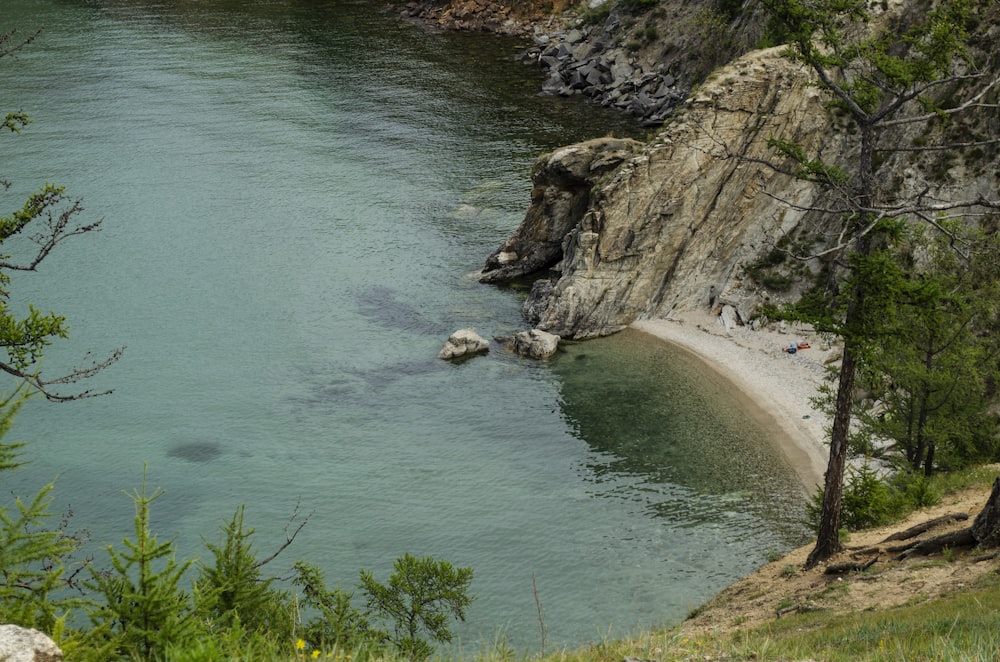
{"x": 295, "y": 196}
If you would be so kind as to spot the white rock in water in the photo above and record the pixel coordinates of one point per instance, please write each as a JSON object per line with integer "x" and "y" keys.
{"x": 462, "y": 342}
{"x": 536, "y": 344}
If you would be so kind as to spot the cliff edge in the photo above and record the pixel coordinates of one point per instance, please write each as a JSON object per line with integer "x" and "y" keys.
{"x": 675, "y": 224}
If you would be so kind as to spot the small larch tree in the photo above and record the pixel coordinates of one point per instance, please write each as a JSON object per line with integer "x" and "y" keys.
{"x": 420, "y": 598}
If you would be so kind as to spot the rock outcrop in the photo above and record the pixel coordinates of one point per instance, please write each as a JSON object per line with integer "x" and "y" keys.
{"x": 535, "y": 344}
{"x": 18, "y": 644}
{"x": 677, "y": 224}
{"x": 560, "y": 196}
{"x": 463, "y": 343}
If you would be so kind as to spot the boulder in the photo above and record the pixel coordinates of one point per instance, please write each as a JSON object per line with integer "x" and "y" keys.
{"x": 464, "y": 342}
{"x": 19, "y": 644}
{"x": 728, "y": 318}
{"x": 535, "y": 344}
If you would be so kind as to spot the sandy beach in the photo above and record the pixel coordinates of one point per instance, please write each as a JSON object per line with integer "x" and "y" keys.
{"x": 776, "y": 383}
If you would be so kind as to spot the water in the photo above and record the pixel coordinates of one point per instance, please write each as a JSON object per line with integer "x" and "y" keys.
{"x": 295, "y": 196}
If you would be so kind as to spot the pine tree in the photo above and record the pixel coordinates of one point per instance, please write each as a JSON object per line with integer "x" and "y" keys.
{"x": 880, "y": 79}
{"x": 335, "y": 623}
{"x": 35, "y": 589}
{"x": 145, "y": 609}
{"x": 933, "y": 371}
{"x": 232, "y": 593}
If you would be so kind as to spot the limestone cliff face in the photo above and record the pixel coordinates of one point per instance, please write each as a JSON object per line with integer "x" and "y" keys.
{"x": 676, "y": 224}
{"x": 561, "y": 189}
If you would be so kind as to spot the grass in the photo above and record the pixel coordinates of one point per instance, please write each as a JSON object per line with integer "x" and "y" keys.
{"x": 957, "y": 628}
{"x": 961, "y": 627}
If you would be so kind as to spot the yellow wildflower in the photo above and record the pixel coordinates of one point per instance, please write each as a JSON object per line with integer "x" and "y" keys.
{"x": 315, "y": 654}
{"x": 300, "y": 644}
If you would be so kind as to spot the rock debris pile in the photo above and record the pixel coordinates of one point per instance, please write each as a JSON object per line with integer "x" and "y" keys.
{"x": 587, "y": 61}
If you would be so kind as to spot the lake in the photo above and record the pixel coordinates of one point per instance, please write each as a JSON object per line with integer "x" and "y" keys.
{"x": 296, "y": 197}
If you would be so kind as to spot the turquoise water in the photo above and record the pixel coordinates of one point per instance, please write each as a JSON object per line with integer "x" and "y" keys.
{"x": 296, "y": 196}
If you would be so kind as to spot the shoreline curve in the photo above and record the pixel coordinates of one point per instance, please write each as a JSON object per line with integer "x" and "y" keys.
{"x": 776, "y": 386}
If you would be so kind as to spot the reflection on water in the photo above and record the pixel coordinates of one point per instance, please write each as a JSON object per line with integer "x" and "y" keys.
{"x": 653, "y": 412}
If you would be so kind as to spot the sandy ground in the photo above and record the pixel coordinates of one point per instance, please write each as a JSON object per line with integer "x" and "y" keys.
{"x": 782, "y": 589}
{"x": 780, "y": 385}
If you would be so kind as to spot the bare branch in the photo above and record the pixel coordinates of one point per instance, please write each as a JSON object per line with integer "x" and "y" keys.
{"x": 35, "y": 382}
{"x": 289, "y": 537}
{"x": 973, "y": 102}
{"x": 8, "y": 46}
{"x": 57, "y": 230}
{"x": 940, "y": 148}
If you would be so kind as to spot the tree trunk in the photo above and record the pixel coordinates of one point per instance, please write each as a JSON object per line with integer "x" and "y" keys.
{"x": 855, "y": 320}
{"x": 986, "y": 527}
{"x": 828, "y": 537}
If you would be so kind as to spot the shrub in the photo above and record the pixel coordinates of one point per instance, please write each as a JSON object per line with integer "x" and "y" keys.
{"x": 419, "y": 597}
{"x": 867, "y": 501}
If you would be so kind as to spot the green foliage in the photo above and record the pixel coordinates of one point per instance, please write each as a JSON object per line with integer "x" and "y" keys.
{"x": 145, "y": 609}
{"x": 36, "y": 584}
{"x": 934, "y": 367}
{"x": 421, "y": 595}
{"x": 730, "y": 8}
{"x": 639, "y": 6}
{"x": 33, "y": 581}
{"x": 233, "y": 595}
{"x": 866, "y": 501}
{"x": 810, "y": 169}
{"x": 335, "y": 624}
{"x": 597, "y": 15}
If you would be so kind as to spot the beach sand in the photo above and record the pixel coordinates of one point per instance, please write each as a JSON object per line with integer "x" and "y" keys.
{"x": 778, "y": 385}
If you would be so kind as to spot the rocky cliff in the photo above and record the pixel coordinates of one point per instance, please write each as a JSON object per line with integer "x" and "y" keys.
{"x": 685, "y": 221}
{"x": 620, "y": 231}
{"x": 677, "y": 224}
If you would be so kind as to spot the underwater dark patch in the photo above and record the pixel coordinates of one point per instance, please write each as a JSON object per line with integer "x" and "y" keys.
{"x": 198, "y": 451}
{"x": 382, "y": 306}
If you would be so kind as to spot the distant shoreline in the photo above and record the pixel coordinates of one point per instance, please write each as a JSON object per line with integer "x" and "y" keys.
{"x": 776, "y": 385}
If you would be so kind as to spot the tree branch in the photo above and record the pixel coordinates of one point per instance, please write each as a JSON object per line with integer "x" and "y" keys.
{"x": 289, "y": 537}
{"x": 35, "y": 381}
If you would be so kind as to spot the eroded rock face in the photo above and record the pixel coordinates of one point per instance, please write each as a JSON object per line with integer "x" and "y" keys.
{"x": 19, "y": 644}
{"x": 560, "y": 196}
{"x": 676, "y": 224}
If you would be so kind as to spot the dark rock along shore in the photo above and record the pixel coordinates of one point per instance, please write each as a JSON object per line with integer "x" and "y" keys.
{"x": 586, "y": 60}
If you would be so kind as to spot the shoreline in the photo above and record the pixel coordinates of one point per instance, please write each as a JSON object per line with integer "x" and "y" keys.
{"x": 776, "y": 386}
